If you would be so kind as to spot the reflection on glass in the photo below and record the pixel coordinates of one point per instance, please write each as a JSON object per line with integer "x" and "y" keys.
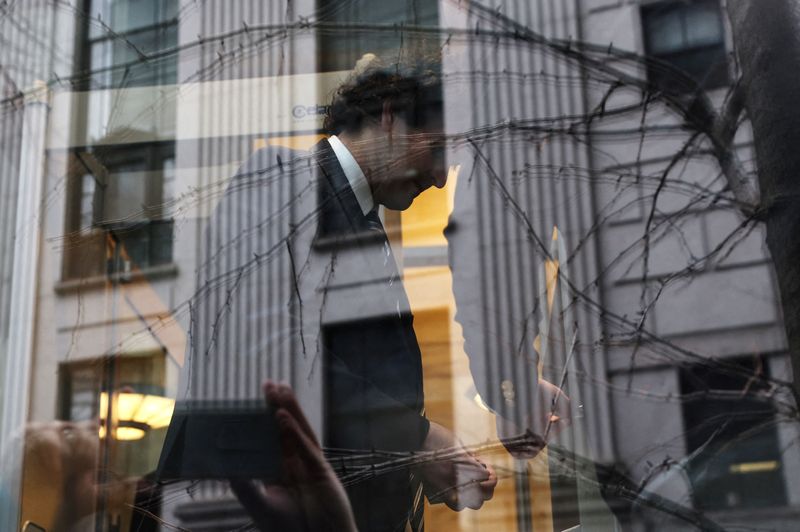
{"x": 587, "y": 290}
{"x": 135, "y": 414}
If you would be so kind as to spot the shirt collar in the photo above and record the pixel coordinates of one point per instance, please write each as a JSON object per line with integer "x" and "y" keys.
{"x": 355, "y": 176}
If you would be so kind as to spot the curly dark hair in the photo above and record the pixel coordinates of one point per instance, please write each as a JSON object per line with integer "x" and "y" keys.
{"x": 411, "y": 93}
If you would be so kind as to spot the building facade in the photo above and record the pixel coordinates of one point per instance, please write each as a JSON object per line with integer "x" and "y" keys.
{"x": 587, "y": 236}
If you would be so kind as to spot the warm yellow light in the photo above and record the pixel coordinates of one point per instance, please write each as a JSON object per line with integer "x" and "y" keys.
{"x": 125, "y": 433}
{"x": 293, "y": 142}
{"x": 423, "y": 223}
{"x": 103, "y": 405}
{"x": 128, "y": 405}
{"x": 155, "y": 410}
{"x": 754, "y": 467}
{"x": 148, "y": 411}
{"x": 163, "y": 419}
{"x": 479, "y": 401}
{"x": 129, "y": 433}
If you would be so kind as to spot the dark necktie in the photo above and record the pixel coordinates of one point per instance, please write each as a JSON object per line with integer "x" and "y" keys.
{"x": 415, "y": 518}
{"x": 374, "y": 221}
{"x": 387, "y": 261}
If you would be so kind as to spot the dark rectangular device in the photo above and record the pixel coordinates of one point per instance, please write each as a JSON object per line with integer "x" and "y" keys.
{"x": 221, "y": 440}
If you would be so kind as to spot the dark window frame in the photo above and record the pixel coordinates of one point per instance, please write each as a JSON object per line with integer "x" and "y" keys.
{"x": 86, "y": 42}
{"x": 712, "y": 428}
{"x": 87, "y": 252}
{"x": 716, "y": 69}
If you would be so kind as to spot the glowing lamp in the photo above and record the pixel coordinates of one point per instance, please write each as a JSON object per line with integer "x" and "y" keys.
{"x": 135, "y": 414}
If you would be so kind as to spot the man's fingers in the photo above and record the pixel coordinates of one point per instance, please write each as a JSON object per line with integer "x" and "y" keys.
{"x": 267, "y": 512}
{"x": 300, "y": 445}
{"x": 283, "y": 397}
{"x": 472, "y": 489}
{"x": 470, "y": 495}
{"x": 488, "y": 485}
{"x": 450, "y": 497}
{"x": 454, "y": 502}
{"x": 478, "y": 481}
{"x": 461, "y": 480}
{"x": 248, "y": 493}
{"x": 470, "y": 468}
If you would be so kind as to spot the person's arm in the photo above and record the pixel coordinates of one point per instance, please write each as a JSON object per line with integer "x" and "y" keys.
{"x": 309, "y": 496}
{"x": 461, "y": 480}
{"x": 495, "y": 285}
{"x": 450, "y": 474}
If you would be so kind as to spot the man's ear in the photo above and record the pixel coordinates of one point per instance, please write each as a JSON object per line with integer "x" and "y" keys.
{"x": 387, "y": 117}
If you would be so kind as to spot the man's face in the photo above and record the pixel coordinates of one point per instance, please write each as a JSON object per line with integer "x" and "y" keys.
{"x": 415, "y": 162}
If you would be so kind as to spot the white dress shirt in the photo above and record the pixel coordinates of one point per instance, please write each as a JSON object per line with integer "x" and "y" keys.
{"x": 355, "y": 176}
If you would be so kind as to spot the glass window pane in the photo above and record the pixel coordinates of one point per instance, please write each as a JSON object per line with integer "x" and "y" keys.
{"x": 703, "y": 25}
{"x": 133, "y": 14}
{"x": 687, "y": 36}
{"x": 100, "y": 17}
{"x": 102, "y": 55}
{"x": 88, "y": 198}
{"x": 664, "y": 31}
{"x": 342, "y": 54}
{"x": 517, "y": 256}
{"x": 83, "y": 385}
{"x": 736, "y": 461}
{"x": 125, "y": 197}
{"x": 128, "y": 46}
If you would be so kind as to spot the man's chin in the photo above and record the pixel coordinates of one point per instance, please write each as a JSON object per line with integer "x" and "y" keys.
{"x": 400, "y": 204}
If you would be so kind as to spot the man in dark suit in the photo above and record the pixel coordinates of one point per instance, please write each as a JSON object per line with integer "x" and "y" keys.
{"x": 296, "y": 267}
{"x": 389, "y": 125}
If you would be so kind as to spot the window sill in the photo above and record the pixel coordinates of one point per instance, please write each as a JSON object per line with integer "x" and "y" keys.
{"x": 67, "y": 286}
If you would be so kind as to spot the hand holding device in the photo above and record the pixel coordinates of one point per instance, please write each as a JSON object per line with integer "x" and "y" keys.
{"x": 308, "y": 496}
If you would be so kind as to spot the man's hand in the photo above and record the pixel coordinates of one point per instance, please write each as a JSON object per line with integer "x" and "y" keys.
{"x": 551, "y": 415}
{"x": 458, "y": 479}
{"x": 309, "y": 496}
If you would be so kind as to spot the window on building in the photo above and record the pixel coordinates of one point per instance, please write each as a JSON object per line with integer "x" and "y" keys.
{"x": 353, "y": 31}
{"x": 687, "y": 35}
{"x": 140, "y": 412}
{"x": 730, "y": 430}
{"x": 118, "y": 221}
{"x": 123, "y": 41}
{"x": 115, "y": 217}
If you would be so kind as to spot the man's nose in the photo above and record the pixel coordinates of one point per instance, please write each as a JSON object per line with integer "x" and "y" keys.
{"x": 439, "y": 178}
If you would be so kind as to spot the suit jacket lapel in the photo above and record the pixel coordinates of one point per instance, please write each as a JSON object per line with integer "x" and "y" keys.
{"x": 340, "y": 213}
{"x": 342, "y": 224}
